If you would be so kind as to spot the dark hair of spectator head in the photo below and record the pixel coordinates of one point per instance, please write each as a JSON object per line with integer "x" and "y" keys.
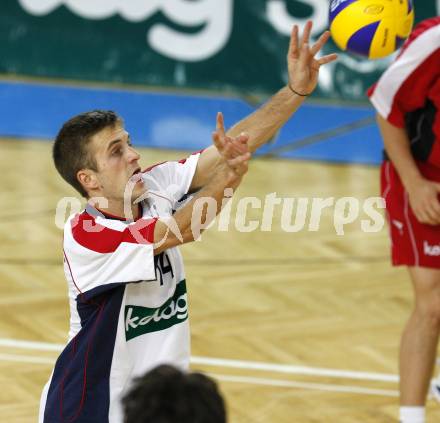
{"x": 168, "y": 395}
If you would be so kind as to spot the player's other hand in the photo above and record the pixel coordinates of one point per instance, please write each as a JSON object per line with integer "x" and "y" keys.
{"x": 303, "y": 66}
{"x": 234, "y": 151}
{"x": 424, "y": 200}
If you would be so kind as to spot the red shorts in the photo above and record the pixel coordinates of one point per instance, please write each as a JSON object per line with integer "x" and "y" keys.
{"x": 412, "y": 243}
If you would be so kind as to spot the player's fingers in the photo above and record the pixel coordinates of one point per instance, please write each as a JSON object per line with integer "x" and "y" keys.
{"x": 423, "y": 217}
{"x": 306, "y": 33}
{"x": 242, "y": 169}
{"x": 217, "y": 142}
{"x": 215, "y": 136}
{"x": 228, "y": 139}
{"x": 241, "y": 142}
{"x": 320, "y": 43}
{"x": 235, "y": 145}
{"x": 435, "y": 204}
{"x": 220, "y": 124}
{"x": 229, "y": 152}
{"x": 238, "y": 160}
{"x": 304, "y": 57}
{"x": 435, "y": 211}
{"x": 431, "y": 215}
{"x": 243, "y": 138}
{"x": 293, "y": 46}
{"x": 238, "y": 148}
{"x": 327, "y": 59}
{"x": 431, "y": 221}
{"x": 436, "y": 220}
{"x": 418, "y": 213}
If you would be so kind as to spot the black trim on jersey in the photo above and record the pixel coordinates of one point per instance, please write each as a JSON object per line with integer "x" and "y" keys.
{"x": 419, "y": 127}
{"x": 185, "y": 198}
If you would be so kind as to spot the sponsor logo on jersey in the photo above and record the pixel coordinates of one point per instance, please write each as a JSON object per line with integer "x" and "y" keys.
{"x": 431, "y": 250}
{"x": 142, "y": 320}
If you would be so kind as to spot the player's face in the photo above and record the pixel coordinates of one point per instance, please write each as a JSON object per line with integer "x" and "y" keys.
{"x": 117, "y": 162}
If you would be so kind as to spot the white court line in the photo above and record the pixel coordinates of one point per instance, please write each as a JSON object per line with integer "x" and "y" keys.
{"x": 303, "y": 385}
{"x": 26, "y": 359}
{"x": 30, "y": 345}
{"x": 237, "y": 364}
{"x": 242, "y": 379}
{"x": 297, "y": 370}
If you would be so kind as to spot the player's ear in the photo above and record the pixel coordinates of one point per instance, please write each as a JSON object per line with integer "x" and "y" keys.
{"x": 88, "y": 179}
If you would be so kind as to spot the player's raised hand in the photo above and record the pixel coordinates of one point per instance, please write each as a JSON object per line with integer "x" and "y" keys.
{"x": 233, "y": 150}
{"x": 228, "y": 147}
{"x": 303, "y": 66}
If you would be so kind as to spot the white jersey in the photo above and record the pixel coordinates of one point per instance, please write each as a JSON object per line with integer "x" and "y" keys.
{"x": 128, "y": 307}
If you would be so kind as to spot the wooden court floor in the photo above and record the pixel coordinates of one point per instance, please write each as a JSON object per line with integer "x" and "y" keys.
{"x": 297, "y": 327}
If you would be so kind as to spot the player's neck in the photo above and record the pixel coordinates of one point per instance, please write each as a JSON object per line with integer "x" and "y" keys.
{"x": 116, "y": 210}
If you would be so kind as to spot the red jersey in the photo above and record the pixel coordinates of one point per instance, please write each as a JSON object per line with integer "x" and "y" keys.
{"x": 408, "y": 92}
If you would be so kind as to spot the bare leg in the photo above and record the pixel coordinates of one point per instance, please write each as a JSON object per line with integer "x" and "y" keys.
{"x": 419, "y": 340}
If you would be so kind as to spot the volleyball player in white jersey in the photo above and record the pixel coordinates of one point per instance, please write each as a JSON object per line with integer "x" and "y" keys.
{"x": 124, "y": 271}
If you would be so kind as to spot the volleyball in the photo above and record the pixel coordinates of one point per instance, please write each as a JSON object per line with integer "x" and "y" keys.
{"x": 371, "y": 28}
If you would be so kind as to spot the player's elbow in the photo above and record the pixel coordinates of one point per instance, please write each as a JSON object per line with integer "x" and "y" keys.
{"x": 169, "y": 239}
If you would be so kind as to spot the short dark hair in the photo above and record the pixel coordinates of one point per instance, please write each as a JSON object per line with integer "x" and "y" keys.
{"x": 70, "y": 153}
{"x": 168, "y": 395}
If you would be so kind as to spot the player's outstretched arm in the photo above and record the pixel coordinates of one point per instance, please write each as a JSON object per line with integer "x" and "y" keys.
{"x": 259, "y": 127}
{"x": 303, "y": 71}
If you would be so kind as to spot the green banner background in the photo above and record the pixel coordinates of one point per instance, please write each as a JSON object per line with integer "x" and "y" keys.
{"x": 74, "y": 40}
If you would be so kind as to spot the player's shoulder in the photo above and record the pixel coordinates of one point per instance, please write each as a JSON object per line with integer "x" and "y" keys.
{"x": 91, "y": 220}
{"x": 155, "y": 166}
{"x": 170, "y": 164}
{"x": 425, "y": 25}
{"x": 73, "y": 225}
{"x": 158, "y": 174}
{"x": 164, "y": 170}
{"x": 76, "y": 223}
{"x": 74, "y": 219}
{"x": 426, "y": 28}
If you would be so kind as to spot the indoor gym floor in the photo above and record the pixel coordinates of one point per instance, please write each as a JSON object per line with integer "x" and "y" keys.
{"x": 297, "y": 327}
